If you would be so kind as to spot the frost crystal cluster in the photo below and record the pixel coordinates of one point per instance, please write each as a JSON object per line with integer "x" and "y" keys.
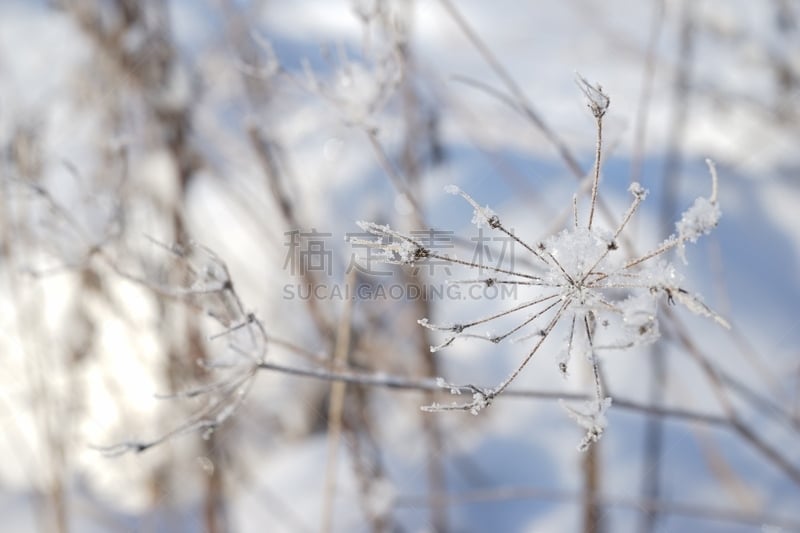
{"x": 584, "y": 288}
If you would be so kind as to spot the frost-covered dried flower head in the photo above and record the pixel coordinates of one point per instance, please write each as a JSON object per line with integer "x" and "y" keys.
{"x": 578, "y": 277}
{"x": 360, "y": 88}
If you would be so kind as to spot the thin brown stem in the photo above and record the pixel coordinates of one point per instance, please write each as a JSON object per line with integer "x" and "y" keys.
{"x": 596, "y": 177}
{"x": 522, "y": 102}
{"x": 643, "y": 105}
{"x": 511, "y": 493}
{"x": 545, "y": 333}
{"x": 335, "y": 410}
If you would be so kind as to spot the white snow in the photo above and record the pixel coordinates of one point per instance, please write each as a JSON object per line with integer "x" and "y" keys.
{"x": 52, "y": 81}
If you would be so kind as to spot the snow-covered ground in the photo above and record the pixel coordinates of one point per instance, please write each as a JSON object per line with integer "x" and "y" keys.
{"x": 351, "y": 113}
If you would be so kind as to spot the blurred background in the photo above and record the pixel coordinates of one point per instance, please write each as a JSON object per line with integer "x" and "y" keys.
{"x": 178, "y": 184}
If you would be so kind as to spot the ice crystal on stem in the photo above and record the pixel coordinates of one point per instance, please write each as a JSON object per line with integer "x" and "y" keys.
{"x": 701, "y": 218}
{"x": 481, "y": 216}
{"x": 578, "y": 277}
{"x": 392, "y": 246}
{"x": 592, "y": 417}
{"x": 597, "y": 101}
